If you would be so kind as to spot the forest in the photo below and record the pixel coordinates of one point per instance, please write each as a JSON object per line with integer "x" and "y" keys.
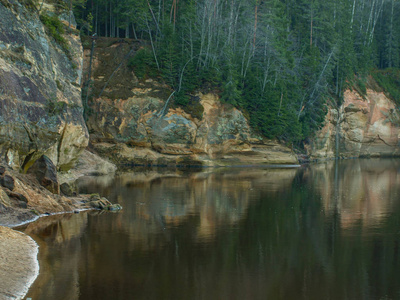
{"x": 280, "y": 61}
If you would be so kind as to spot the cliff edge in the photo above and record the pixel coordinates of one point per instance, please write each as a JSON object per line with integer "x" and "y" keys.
{"x": 134, "y": 121}
{"x": 40, "y": 95}
{"x": 363, "y": 126}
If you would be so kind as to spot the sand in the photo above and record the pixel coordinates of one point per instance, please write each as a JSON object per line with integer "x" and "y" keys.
{"x": 19, "y": 266}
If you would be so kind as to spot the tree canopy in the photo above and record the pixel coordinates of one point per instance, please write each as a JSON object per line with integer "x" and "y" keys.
{"x": 279, "y": 61}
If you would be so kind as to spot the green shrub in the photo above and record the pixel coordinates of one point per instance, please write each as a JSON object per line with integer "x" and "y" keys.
{"x": 360, "y": 86}
{"x": 389, "y": 81}
{"x": 143, "y": 64}
{"x": 55, "y": 107}
{"x": 55, "y": 29}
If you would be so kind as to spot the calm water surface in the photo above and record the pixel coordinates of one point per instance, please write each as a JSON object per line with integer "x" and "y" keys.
{"x": 325, "y": 231}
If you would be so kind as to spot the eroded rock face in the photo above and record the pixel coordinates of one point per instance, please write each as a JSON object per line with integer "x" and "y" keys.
{"x": 362, "y": 127}
{"x": 40, "y": 102}
{"x": 131, "y": 123}
{"x": 143, "y": 136}
{"x": 45, "y": 172}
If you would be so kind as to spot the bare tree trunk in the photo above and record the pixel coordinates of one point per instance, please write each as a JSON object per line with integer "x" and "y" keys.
{"x": 202, "y": 35}
{"x": 105, "y": 23}
{"x": 369, "y": 21}
{"x": 352, "y": 16}
{"x": 97, "y": 18}
{"x": 154, "y": 17}
{"x": 280, "y": 105}
{"x": 127, "y": 29}
{"x": 390, "y": 50}
{"x": 376, "y": 17}
{"x": 255, "y": 26}
{"x": 311, "y": 25}
{"x": 231, "y": 24}
{"x": 311, "y": 99}
{"x": 152, "y": 45}
{"x": 134, "y": 31}
{"x": 111, "y": 31}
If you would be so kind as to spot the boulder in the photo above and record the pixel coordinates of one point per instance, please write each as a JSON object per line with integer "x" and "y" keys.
{"x": 4, "y": 199}
{"x": 19, "y": 199}
{"x": 68, "y": 189}
{"x": 8, "y": 182}
{"x": 46, "y": 173}
{"x": 114, "y": 207}
{"x": 103, "y": 203}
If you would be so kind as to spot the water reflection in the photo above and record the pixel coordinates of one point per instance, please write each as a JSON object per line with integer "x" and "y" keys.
{"x": 365, "y": 199}
{"x": 155, "y": 203}
{"x": 326, "y": 231}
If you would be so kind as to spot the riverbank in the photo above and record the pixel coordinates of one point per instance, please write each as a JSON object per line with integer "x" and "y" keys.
{"x": 23, "y": 200}
{"x": 19, "y": 264}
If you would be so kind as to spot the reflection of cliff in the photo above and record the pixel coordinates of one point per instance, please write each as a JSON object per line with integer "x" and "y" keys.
{"x": 158, "y": 202}
{"x": 54, "y": 235}
{"x": 359, "y": 190}
{"x": 161, "y": 213}
{"x": 240, "y": 234}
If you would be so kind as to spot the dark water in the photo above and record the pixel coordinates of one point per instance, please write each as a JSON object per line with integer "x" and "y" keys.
{"x": 326, "y": 231}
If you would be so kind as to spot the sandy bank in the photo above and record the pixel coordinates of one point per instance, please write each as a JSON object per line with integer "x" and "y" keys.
{"x": 18, "y": 261}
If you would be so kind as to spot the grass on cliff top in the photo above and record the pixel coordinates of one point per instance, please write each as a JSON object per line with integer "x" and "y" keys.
{"x": 389, "y": 81}
{"x": 55, "y": 29}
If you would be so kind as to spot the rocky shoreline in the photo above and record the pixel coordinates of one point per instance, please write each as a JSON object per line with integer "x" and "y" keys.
{"x": 24, "y": 198}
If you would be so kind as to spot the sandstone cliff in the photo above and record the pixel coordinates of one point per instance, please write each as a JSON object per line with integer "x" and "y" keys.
{"x": 363, "y": 126}
{"x": 41, "y": 112}
{"x": 40, "y": 95}
{"x": 132, "y": 122}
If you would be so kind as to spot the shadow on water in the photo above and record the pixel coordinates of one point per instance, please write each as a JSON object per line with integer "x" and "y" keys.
{"x": 324, "y": 231}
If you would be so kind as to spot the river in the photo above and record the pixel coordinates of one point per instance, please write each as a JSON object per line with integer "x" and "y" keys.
{"x": 322, "y": 231}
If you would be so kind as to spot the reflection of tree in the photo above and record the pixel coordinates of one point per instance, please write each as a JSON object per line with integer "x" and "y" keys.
{"x": 247, "y": 235}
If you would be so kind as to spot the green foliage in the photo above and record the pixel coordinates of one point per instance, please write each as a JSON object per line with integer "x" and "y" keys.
{"x": 59, "y": 85}
{"x": 389, "y": 81}
{"x": 280, "y": 62}
{"x": 55, "y": 29}
{"x": 143, "y": 64}
{"x": 55, "y": 108}
{"x": 191, "y": 105}
{"x": 361, "y": 86}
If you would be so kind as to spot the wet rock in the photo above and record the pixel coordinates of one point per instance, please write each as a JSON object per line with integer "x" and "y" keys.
{"x": 68, "y": 189}
{"x": 103, "y": 203}
{"x": 22, "y": 204}
{"x": 16, "y": 196}
{"x": 4, "y": 199}
{"x": 8, "y": 182}
{"x": 46, "y": 173}
{"x": 114, "y": 207}
{"x": 95, "y": 197}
